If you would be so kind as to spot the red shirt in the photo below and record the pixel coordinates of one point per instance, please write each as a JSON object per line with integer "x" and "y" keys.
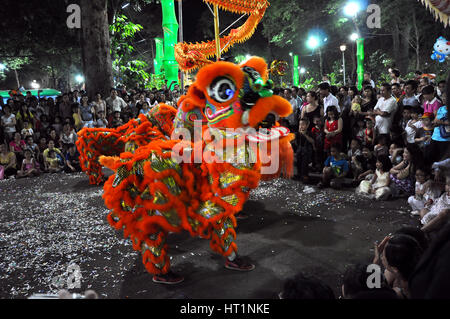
{"x": 18, "y": 148}
{"x": 337, "y": 139}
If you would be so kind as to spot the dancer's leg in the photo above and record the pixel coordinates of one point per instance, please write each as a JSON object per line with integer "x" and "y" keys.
{"x": 156, "y": 260}
{"x": 222, "y": 242}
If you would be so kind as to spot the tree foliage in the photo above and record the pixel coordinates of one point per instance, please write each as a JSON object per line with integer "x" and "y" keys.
{"x": 34, "y": 33}
{"x": 128, "y": 70}
{"x": 36, "y": 40}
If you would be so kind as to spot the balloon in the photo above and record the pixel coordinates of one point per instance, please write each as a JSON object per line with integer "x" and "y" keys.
{"x": 441, "y": 49}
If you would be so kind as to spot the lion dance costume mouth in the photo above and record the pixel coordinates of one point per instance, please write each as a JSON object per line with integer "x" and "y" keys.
{"x": 151, "y": 194}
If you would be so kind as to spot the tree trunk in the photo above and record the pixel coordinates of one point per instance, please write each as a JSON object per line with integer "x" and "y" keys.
{"x": 417, "y": 40}
{"x": 396, "y": 43}
{"x": 17, "y": 78}
{"x": 95, "y": 44}
{"x": 403, "y": 62}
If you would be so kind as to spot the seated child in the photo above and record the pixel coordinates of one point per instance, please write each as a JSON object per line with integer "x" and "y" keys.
{"x": 32, "y": 146}
{"x": 381, "y": 147}
{"x": 336, "y": 168}
{"x": 73, "y": 159}
{"x": 438, "y": 213}
{"x": 358, "y": 131}
{"x": 364, "y": 164}
{"x": 355, "y": 149}
{"x": 29, "y": 166}
{"x": 425, "y": 192}
{"x": 52, "y": 164}
{"x": 27, "y": 130}
{"x": 378, "y": 186}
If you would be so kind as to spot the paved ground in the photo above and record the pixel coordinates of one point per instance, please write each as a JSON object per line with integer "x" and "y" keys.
{"x": 50, "y": 222}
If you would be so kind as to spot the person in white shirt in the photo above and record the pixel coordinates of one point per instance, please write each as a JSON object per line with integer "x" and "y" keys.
{"x": 295, "y": 95}
{"x": 385, "y": 110}
{"x": 367, "y": 77}
{"x": 413, "y": 125}
{"x": 114, "y": 102}
{"x": 328, "y": 98}
{"x": 8, "y": 121}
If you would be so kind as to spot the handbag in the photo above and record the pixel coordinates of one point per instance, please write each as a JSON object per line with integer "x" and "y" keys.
{"x": 444, "y": 130}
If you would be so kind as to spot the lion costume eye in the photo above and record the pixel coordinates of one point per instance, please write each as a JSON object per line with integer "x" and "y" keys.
{"x": 222, "y": 89}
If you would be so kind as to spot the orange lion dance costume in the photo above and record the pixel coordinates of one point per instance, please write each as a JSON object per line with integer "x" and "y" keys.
{"x": 152, "y": 193}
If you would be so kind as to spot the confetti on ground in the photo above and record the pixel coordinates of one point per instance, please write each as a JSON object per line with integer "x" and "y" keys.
{"x": 44, "y": 228}
{"x": 53, "y": 222}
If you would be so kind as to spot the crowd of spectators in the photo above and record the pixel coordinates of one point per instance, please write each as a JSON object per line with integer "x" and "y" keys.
{"x": 38, "y": 134}
{"x": 387, "y": 142}
{"x": 391, "y": 141}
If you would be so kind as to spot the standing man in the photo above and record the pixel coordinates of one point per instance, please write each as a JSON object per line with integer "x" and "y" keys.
{"x": 410, "y": 98}
{"x": 346, "y": 100}
{"x": 65, "y": 107}
{"x": 384, "y": 111}
{"x": 328, "y": 98}
{"x": 114, "y": 102}
{"x": 293, "y": 118}
{"x": 298, "y": 98}
{"x": 396, "y": 91}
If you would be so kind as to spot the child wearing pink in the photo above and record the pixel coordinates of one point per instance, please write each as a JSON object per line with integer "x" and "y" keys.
{"x": 430, "y": 103}
{"x": 431, "y": 106}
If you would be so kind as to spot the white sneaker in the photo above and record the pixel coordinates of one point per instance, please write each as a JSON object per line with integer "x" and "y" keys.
{"x": 415, "y": 213}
